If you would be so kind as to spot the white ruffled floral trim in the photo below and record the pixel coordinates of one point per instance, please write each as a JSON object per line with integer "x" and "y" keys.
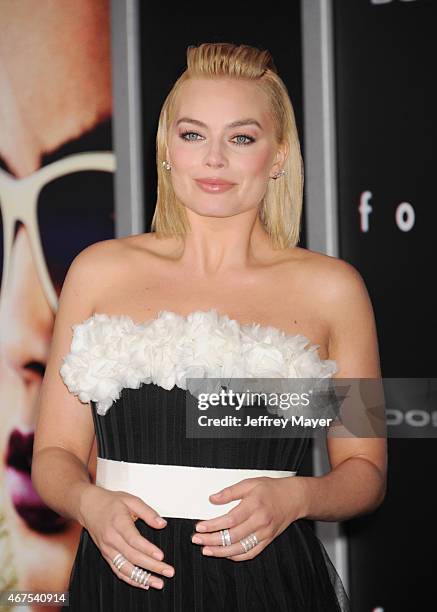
{"x": 110, "y": 352}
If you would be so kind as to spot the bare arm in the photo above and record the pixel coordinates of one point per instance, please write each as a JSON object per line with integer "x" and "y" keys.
{"x": 64, "y": 433}
{"x": 60, "y": 478}
{"x": 357, "y": 482}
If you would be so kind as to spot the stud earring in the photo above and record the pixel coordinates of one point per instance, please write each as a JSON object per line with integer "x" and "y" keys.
{"x": 280, "y": 173}
{"x": 166, "y": 165}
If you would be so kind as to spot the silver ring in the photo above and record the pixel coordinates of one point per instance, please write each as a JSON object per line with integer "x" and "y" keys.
{"x": 119, "y": 561}
{"x": 139, "y": 575}
{"x": 143, "y": 577}
{"x": 226, "y": 537}
{"x": 249, "y": 542}
{"x": 115, "y": 559}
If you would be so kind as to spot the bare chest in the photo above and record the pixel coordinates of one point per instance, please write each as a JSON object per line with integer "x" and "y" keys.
{"x": 267, "y": 299}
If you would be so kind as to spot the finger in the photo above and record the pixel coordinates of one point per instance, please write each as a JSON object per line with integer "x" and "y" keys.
{"x": 127, "y": 530}
{"x": 240, "y": 531}
{"x": 236, "y": 491}
{"x": 236, "y": 548}
{"x": 225, "y": 521}
{"x": 253, "y": 552}
{"x": 140, "y": 509}
{"x": 123, "y": 545}
{"x": 125, "y": 572}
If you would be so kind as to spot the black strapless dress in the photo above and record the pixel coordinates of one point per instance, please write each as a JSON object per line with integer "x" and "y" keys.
{"x": 146, "y": 424}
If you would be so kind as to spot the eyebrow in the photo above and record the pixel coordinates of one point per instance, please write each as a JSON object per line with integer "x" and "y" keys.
{"x": 237, "y": 123}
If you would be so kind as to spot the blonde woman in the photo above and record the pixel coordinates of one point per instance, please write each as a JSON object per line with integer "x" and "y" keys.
{"x": 218, "y": 289}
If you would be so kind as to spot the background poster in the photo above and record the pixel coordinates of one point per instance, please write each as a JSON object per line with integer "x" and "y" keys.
{"x": 56, "y": 198}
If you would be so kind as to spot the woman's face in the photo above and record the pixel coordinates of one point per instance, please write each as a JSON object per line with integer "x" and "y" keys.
{"x": 206, "y": 142}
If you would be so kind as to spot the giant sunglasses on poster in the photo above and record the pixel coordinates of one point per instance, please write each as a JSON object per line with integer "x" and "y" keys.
{"x": 65, "y": 206}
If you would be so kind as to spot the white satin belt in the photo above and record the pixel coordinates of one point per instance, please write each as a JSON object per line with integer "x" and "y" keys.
{"x": 176, "y": 491}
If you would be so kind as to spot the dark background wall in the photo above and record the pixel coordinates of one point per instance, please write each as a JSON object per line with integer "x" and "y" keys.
{"x": 385, "y": 105}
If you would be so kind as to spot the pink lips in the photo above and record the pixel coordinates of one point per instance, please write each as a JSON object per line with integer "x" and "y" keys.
{"x": 27, "y": 503}
{"x": 214, "y": 185}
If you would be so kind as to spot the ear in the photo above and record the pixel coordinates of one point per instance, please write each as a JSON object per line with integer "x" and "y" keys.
{"x": 280, "y": 157}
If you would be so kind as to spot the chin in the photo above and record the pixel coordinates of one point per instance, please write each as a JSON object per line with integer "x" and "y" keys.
{"x": 213, "y": 209}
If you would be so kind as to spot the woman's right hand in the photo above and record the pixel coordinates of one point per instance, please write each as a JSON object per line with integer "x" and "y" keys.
{"x": 107, "y": 516}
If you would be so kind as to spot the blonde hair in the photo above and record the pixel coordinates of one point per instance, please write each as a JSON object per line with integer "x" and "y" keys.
{"x": 281, "y": 207}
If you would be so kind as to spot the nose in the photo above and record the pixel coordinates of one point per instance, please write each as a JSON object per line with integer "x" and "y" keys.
{"x": 26, "y": 318}
{"x": 214, "y": 157}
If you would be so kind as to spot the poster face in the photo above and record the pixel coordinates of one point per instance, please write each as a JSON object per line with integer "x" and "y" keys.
{"x": 56, "y": 198}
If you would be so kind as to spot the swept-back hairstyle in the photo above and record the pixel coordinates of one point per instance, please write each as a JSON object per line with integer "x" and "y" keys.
{"x": 281, "y": 207}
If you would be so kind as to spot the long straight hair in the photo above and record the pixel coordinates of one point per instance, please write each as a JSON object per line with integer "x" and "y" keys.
{"x": 281, "y": 207}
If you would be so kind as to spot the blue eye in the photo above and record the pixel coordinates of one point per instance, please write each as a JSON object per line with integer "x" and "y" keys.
{"x": 187, "y": 134}
{"x": 249, "y": 138}
{"x": 244, "y": 136}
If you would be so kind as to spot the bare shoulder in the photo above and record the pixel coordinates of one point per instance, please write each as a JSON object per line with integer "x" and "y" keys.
{"x": 102, "y": 255}
{"x": 343, "y": 302}
{"x": 353, "y": 339}
{"x": 101, "y": 266}
{"x": 330, "y": 279}
{"x": 98, "y": 265}
{"x": 149, "y": 244}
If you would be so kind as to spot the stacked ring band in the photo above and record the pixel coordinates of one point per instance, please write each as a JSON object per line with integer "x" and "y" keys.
{"x": 249, "y": 542}
{"x": 226, "y": 537}
{"x": 138, "y": 575}
{"x": 119, "y": 561}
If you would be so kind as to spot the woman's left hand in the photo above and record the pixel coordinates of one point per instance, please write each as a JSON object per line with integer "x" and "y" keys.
{"x": 267, "y": 507}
